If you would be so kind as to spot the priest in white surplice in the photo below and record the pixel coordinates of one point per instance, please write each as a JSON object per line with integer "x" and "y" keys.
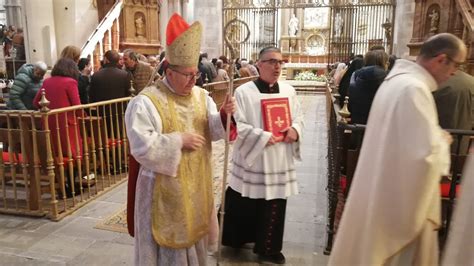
{"x": 170, "y": 126}
{"x": 393, "y": 210}
{"x": 263, "y": 170}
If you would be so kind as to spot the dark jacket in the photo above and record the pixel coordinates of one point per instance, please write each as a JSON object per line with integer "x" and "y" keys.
{"x": 141, "y": 75}
{"x": 362, "y": 89}
{"x": 355, "y": 65}
{"x": 454, "y": 103}
{"x": 24, "y": 89}
{"x": 109, "y": 83}
{"x": 83, "y": 85}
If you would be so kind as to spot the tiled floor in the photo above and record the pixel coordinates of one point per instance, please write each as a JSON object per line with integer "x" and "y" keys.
{"x": 75, "y": 241}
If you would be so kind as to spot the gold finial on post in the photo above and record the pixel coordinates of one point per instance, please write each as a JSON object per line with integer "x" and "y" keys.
{"x": 44, "y": 103}
{"x": 344, "y": 112}
{"x": 132, "y": 89}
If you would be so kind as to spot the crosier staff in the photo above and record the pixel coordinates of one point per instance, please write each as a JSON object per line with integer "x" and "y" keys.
{"x": 228, "y": 32}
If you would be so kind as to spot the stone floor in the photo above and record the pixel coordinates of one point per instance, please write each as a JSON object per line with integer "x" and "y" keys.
{"x": 75, "y": 241}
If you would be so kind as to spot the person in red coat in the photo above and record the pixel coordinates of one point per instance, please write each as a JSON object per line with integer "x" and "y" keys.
{"x": 61, "y": 90}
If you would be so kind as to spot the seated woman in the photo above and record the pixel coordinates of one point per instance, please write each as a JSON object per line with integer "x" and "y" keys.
{"x": 355, "y": 65}
{"x": 364, "y": 84}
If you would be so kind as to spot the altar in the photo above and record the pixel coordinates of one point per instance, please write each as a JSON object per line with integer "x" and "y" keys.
{"x": 293, "y": 69}
{"x": 305, "y": 47}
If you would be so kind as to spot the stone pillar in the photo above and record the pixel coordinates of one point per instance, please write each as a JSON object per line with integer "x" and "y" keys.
{"x": 403, "y": 27}
{"x": 65, "y": 23}
{"x": 174, "y": 6}
{"x": 210, "y": 15}
{"x": 13, "y": 11}
{"x": 40, "y": 35}
{"x": 164, "y": 16}
{"x": 188, "y": 7}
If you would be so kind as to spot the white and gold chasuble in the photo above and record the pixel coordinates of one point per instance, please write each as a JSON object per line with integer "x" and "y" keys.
{"x": 182, "y": 205}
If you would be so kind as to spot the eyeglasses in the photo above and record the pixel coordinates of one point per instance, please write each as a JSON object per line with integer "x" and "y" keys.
{"x": 456, "y": 63}
{"x": 188, "y": 76}
{"x": 273, "y": 61}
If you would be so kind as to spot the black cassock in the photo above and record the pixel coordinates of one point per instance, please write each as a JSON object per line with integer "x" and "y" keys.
{"x": 256, "y": 221}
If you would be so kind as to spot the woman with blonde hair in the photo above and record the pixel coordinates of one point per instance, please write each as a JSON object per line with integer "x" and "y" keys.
{"x": 72, "y": 52}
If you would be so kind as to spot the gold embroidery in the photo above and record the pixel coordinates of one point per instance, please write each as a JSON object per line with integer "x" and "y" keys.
{"x": 182, "y": 205}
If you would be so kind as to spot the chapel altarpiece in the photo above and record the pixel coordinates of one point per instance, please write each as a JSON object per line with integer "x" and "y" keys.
{"x": 312, "y": 31}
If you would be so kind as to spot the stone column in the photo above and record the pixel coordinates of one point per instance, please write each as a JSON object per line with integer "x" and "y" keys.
{"x": 188, "y": 7}
{"x": 403, "y": 27}
{"x": 13, "y": 12}
{"x": 210, "y": 15}
{"x": 164, "y": 15}
{"x": 40, "y": 35}
{"x": 174, "y": 6}
{"x": 65, "y": 23}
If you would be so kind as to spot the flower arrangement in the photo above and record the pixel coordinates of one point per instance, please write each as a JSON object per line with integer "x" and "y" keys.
{"x": 307, "y": 75}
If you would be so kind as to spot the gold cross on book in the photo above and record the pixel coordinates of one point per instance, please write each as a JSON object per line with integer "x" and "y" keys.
{"x": 279, "y": 122}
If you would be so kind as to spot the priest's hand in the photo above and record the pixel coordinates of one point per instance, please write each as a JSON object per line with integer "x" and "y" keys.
{"x": 447, "y": 137}
{"x": 273, "y": 140}
{"x": 229, "y": 106}
{"x": 290, "y": 135}
{"x": 192, "y": 141}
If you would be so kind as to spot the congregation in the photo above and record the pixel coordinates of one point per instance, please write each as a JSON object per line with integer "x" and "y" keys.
{"x": 391, "y": 215}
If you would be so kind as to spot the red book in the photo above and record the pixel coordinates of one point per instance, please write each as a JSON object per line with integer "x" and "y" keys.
{"x": 276, "y": 116}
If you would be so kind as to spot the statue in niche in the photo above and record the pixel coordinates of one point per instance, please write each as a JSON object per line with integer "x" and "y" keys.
{"x": 338, "y": 25}
{"x": 140, "y": 27}
{"x": 434, "y": 23}
{"x": 293, "y": 26}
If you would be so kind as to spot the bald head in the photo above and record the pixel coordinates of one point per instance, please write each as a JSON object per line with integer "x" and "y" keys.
{"x": 441, "y": 55}
{"x": 443, "y": 43}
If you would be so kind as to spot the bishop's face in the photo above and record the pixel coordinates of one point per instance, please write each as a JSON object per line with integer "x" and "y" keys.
{"x": 182, "y": 79}
{"x": 270, "y": 65}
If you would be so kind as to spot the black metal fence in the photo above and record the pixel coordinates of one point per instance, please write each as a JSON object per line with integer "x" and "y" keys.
{"x": 354, "y": 25}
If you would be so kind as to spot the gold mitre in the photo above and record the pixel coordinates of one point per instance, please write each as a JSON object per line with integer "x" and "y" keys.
{"x": 183, "y": 42}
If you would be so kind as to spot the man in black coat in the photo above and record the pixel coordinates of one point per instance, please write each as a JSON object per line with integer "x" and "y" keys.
{"x": 109, "y": 82}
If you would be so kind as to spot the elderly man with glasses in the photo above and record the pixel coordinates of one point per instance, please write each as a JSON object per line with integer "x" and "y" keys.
{"x": 393, "y": 211}
{"x": 263, "y": 174}
{"x": 170, "y": 126}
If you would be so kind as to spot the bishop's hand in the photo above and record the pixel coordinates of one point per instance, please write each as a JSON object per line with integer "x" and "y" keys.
{"x": 192, "y": 141}
{"x": 229, "y": 105}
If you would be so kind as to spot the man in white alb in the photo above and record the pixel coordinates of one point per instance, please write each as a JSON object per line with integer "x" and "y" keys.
{"x": 393, "y": 208}
{"x": 263, "y": 172}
